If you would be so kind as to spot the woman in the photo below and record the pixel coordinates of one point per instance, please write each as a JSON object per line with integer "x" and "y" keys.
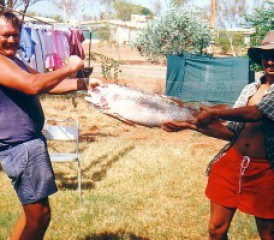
{"x": 241, "y": 176}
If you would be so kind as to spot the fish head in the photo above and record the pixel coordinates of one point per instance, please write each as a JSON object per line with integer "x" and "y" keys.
{"x": 96, "y": 96}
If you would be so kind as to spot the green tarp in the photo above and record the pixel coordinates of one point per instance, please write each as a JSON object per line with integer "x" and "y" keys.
{"x": 203, "y": 78}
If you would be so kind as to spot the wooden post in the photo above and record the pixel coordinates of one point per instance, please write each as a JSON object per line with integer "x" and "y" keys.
{"x": 213, "y": 13}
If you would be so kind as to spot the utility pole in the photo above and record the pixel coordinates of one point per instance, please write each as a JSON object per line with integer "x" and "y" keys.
{"x": 213, "y": 13}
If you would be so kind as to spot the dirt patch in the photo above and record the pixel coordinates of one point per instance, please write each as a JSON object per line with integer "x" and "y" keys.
{"x": 115, "y": 51}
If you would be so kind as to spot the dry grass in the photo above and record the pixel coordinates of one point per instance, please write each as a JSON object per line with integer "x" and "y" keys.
{"x": 139, "y": 183}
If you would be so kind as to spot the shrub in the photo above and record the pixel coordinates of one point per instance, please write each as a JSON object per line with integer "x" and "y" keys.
{"x": 181, "y": 29}
{"x": 262, "y": 20}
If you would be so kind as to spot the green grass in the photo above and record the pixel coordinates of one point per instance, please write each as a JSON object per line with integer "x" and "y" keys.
{"x": 138, "y": 184}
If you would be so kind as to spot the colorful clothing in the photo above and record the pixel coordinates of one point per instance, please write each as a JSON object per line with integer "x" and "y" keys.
{"x": 37, "y": 60}
{"x": 75, "y": 40}
{"x": 266, "y": 107}
{"x": 23, "y": 151}
{"x": 21, "y": 116}
{"x": 242, "y": 182}
{"x": 30, "y": 170}
{"x": 61, "y": 43}
{"x": 26, "y": 44}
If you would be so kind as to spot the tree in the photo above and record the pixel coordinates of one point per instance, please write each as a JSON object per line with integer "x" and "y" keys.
{"x": 231, "y": 14}
{"x": 74, "y": 9}
{"x": 124, "y": 9}
{"x": 262, "y": 20}
{"x": 108, "y": 4}
{"x": 181, "y": 29}
{"x": 14, "y": 4}
{"x": 67, "y": 6}
{"x": 179, "y": 2}
{"x": 19, "y": 3}
{"x": 157, "y": 7}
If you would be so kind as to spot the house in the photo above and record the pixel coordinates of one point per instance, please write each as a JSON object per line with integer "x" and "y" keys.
{"x": 121, "y": 32}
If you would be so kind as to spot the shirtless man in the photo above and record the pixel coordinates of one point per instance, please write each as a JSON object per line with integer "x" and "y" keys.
{"x": 23, "y": 151}
{"x": 241, "y": 176}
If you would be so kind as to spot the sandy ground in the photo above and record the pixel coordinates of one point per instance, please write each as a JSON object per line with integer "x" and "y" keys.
{"x": 134, "y": 71}
{"x": 122, "y": 52}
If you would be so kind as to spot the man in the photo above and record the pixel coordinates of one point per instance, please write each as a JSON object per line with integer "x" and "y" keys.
{"x": 241, "y": 175}
{"x": 23, "y": 152}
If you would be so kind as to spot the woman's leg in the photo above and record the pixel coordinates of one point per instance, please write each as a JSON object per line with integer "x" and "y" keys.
{"x": 265, "y": 228}
{"x": 220, "y": 219}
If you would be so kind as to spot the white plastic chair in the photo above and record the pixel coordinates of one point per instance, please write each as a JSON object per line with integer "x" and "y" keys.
{"x": 65, "y": 130}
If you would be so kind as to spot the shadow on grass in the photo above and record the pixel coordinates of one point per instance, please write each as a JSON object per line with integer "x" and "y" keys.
{"x": 91, "y": 137}
{"x": 115, "y": 236}
{"x": 93, "y": 173}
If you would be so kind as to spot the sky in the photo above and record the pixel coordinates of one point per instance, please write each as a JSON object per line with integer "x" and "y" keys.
{"x": 47, "y": 8}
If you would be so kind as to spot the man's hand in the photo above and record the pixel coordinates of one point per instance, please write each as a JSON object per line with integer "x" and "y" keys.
{"x": 206, "y": 116}
{"x": 93, "y": 82}
{"x": 177, "y": 126}
{"x": 75, "y": 63}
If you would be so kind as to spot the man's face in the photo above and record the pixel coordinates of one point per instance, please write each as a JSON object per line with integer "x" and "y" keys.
{"x": 268, "y": 62}
{"x": 9, "y": 38}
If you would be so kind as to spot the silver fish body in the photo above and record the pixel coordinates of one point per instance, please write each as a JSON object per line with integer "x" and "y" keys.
{"x": 139, "y": 107}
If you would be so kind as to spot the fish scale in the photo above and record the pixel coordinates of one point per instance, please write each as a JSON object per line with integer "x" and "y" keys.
{"x": 138, "y": 107}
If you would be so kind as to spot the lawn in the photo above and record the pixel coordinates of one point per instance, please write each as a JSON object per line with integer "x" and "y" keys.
{"x": 139, "y": 183}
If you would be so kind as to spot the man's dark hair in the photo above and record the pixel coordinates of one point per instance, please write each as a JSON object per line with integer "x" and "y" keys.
{"x": 11, "y": 17}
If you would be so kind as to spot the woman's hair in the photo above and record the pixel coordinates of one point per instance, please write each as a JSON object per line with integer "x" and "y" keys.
{"x": 11, "y": 17}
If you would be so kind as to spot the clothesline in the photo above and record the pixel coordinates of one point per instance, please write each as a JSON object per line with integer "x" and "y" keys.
{"x": 48, "y": 48}
{"x": 24, "y": 14}
{"x": 51, "y": 24}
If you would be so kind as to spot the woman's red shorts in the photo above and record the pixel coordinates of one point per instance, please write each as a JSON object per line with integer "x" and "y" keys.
{"x": 244, "y": 183}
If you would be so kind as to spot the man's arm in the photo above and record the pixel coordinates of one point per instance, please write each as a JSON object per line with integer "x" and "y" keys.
{"x": 34, "y": 83}
{"x": 216, "y": 129}
{"x": 74, "y": 84}
{"x": 71, "y": 84}
{"x": 241, "y": 114}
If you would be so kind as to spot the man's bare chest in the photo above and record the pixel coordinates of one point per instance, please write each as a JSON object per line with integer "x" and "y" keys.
{"x": 257, "y": 97}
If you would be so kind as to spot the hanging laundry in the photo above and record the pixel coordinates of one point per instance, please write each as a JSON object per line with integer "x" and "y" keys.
{"x": 49, "y": 50}
{"x": 45, "y": 49}
{"x": 37, "y": 60}
{"x": 75, "y": 41}
{"x": 61, "y": 42}
{"x": 26, "y": 44}
{"x": 61, "y": 47}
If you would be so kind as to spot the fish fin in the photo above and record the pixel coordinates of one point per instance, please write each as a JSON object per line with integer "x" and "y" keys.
{"x": 88, "y": 99}
{"x": 118, "y": 117}
{"x": 177, "y": 100}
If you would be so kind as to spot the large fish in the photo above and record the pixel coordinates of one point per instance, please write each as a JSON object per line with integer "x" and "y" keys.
{"x": 138, "y": 107}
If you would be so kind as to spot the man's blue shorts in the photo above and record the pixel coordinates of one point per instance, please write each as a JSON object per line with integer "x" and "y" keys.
{"x": 29, "y": 167}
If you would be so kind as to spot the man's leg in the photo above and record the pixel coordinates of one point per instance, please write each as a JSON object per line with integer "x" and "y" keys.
{"x": 265, "y": 228}
{"x": 220, "y": 219}
{"x": 33, "y": 222}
